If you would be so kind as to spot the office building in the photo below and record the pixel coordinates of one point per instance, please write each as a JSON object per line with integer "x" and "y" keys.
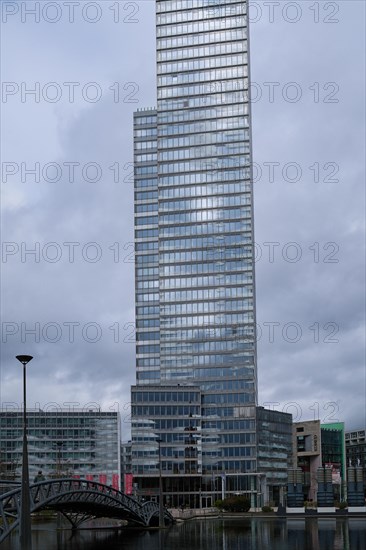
{"x": 318, "y": 445}
{"x": 194, "y": 403}
{"x": 274, "y": 453}
{"x": 83, "y": 444}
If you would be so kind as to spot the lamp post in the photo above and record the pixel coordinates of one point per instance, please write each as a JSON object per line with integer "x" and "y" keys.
{"x": 25, "y": 518}
{"x": 161, "y": 509}
{"x": 59, "y": 445}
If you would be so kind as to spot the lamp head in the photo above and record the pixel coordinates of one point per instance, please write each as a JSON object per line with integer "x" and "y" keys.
{"x": 24, "y": 359}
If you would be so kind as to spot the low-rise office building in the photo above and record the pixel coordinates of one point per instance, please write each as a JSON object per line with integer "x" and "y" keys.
{"x": 318, "y": 445}
{"x": 61, "y": 443}
{"x": 175, "y": 435}
{"x": 274, "y": 452}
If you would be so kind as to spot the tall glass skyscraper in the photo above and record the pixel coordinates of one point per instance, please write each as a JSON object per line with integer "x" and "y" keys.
{"x": 195, "y": 284}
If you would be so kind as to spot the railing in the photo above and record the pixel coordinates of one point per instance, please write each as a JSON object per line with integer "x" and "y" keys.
{"x": 78, "y": 500}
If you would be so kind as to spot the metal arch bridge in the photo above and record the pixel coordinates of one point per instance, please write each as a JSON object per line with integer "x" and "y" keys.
{"x": 78, "y": 500}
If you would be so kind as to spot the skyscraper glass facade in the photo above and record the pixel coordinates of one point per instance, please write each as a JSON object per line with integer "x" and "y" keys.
{"x": 195, "y": 287}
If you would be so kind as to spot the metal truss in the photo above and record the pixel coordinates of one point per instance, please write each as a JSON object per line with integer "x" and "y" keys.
{"x": 78, "y": 500}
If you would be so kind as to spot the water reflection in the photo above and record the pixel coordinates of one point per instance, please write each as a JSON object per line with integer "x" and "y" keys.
{"x": 243, "y": 534}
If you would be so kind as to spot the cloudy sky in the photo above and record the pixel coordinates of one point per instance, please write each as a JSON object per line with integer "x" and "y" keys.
{"x": 73, "y": 73}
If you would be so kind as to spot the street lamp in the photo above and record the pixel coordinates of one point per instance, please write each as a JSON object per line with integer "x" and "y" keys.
{"x": 25, "y": 517}
{"x": 161, "y": 509}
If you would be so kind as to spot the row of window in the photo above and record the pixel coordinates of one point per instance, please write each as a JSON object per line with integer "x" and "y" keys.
{"x": 165, "y": 410}
{"x": 212, "y": 280}
{"x": 146, "y": 144}
{"x": 218, "y": 254}
{"x": 146, "y": 182}
{"x": 206, "y": 307}
{"x": 173, "y": 5}
{"x": 147, "y": 157}
{"x": 217, "y": 425}
{"x": 205, "y": 228}
{"x": 165, "y": 396}
{"x": 220, "y": 125}
{"x": 148, "y": 362}
{"x": 147, "y": 258}
{"x": 224, "y": 385}
{"x": 146, "y": 220}
{"x": 202, "y": 63}
{"x": 214, "y": 231}
{"x": 63, "y": 421}
{"x": 223, "y": 398}
{"x": 147, "y": 297}
{"x": 209, "y": 75}
{"x": 203, "y": 203}
{"x": 203, "y": 347}
{"x": 206, "y": 164}
{"x": 233, "y": 466}
{"x": 166, "y": 423}
{"x": 178, "y": 438}
{"x": 179, "y": 5}
{"x": 148, "y": 377}
{"x": 144, "y": 170}
{"x": 219, "y": 319}
{"x": 238, "y": 451}
{"x": 216, "y": 359}
{"x": 228, "y": 372}
{"x": 198, "y": 216}
{"x": 225, "y": 411}
{"x": 147, "y": 336}
{"x": 212, "y": 243}
{"x": 154, "y": 348}
{"x": 215, "y": 37}
{"x": 221, "y": 23}
{"x": 200, "y": 13}
{"x": 147, "y": 310}
{"x": 206, "y": 332}
{"x": 145, "y": 132}
{"x": 145, "y": 119}
{"x": 209, "y": 267}
{"x": 148, "y": 245}
{"x": 147, "y": 272}
{"x": 218, "y": 48}
{"x": 206, "y": 294}
{"x": 146, "y": 195}
{"x": 210, "y": 189}
{"x": 214, "y": 174}
{"x": 207, "y": 99}
{"x": 181, "y": 114}
{"x": 146, "y": 233}
{"x": 213, "y": 151}
{"x": 204, "y": 139}
{"x": 213, "y": 248}
{"x": 228, "y": 425}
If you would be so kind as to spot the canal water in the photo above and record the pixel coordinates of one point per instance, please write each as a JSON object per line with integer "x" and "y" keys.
{"x": 210, "y": 534}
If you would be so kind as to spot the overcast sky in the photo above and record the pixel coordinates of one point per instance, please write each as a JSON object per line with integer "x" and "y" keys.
{"x": 70, "y": 303}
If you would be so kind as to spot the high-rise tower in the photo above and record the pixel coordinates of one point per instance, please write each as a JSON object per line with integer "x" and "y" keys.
{"x": 195, "y": 285}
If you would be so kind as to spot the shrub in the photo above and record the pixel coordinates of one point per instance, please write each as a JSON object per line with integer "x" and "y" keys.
{"x": 267, "y": 509}
{"x": 235, "y": 504}
{"x": 219, "y": 504}
{"x": 343, "y": 505}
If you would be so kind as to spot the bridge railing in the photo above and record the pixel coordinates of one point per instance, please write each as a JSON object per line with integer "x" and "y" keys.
{"x": 65, "y": 491}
